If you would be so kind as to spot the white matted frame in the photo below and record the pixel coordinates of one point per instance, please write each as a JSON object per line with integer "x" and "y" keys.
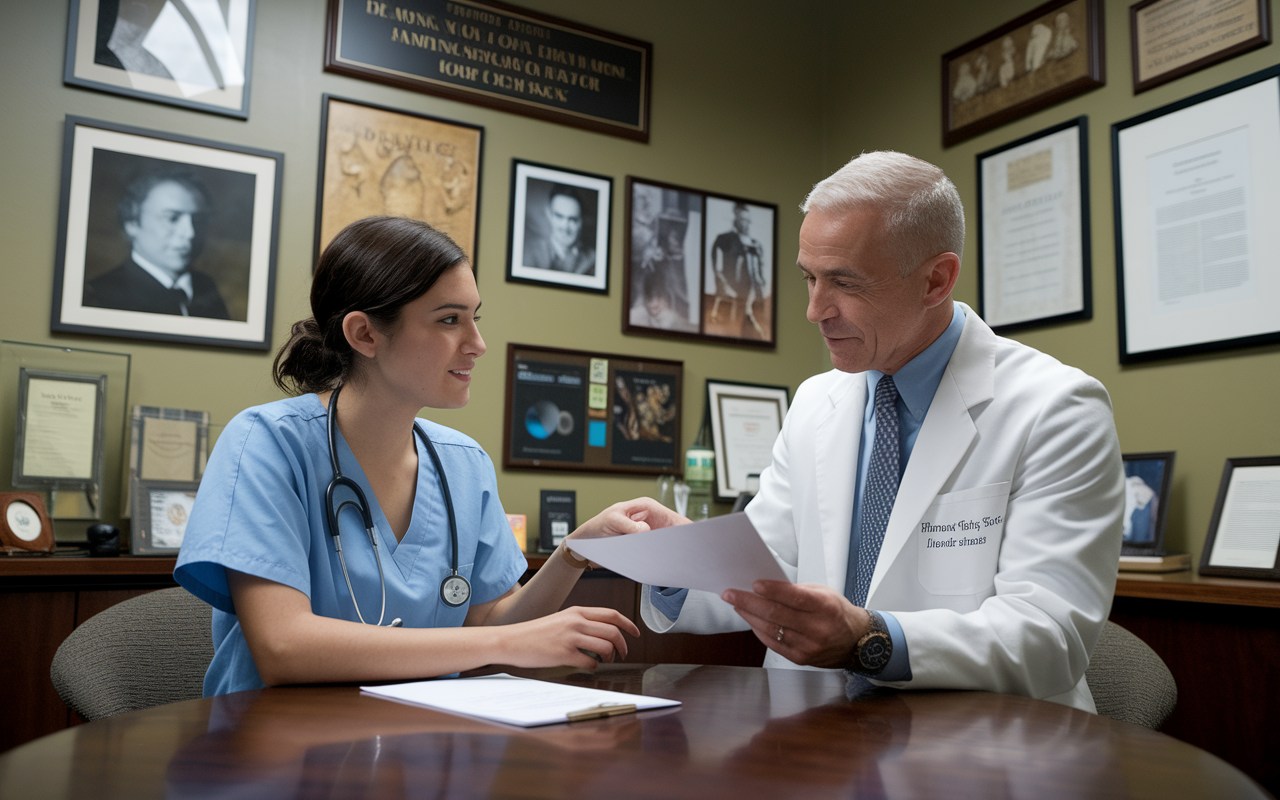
{"x": 1197, "y": 189}
{"x": 1244, "y": 532}
{"x": 192, "y": 53}
{"x": 540, "y": 217}
{"x": 240, "y": 217}
{"x": 746, "y": 418}
{"x": 1034, "y": 252}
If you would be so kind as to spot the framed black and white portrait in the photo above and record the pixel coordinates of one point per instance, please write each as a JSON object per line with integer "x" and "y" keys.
{"x": 165, "y": 237}
{"x": 191, "y": 53}
{"x": 740, "y": 271}
{"x": 664, "y": 259}
{"x": 559, "y": 227}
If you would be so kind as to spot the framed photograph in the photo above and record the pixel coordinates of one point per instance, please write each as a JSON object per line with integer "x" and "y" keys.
{"x": 1051, "y": 53}
{"x": 376, "y": 160}
{"x": 699, "y": 265}
{"x": 1197, "y": 186}
{"x": 1147, "y": 481}
{"x": 161, "y": 510}
{"x": 746, "y": 419}
{"x": 192, "y": 54}
{"x": 59, "y": 429}
{"x": 559, "y": 227}
{"x": 497, "y": 55}
{"x": 592, "y": 412}
{"x": 1034, "y": 251}
{"x": 167, "y": 444}
{"x": 165, "y": 237}
{"x": 1244, "y": 532}
{"x": 1172, "y": 38}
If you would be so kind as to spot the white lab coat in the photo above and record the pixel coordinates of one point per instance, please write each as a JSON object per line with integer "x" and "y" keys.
{"x": 1019, "y": 614}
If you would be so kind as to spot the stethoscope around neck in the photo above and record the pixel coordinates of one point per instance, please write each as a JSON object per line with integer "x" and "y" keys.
{"x": 454, "y": 589}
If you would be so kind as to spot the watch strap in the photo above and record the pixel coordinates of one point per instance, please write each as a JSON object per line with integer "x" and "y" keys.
{"x": 876, "y": 645}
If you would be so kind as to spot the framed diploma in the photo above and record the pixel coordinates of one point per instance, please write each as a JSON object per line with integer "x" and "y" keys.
{"x": 59, "y": 433}
{"x": 161, "y": 511}
{"x": 1172, "y": 38}
{"x": 24, "y": 524}
{"x": 1244, "y": 532}
{"x": 1197, "y": 185}
{"x": 1033, "y": 230}
{"x": 166, "y": 444}
{"x": 746, "y": 418}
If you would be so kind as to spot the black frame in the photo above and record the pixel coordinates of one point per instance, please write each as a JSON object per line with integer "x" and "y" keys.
{"x": 1118, "y": 210}
{"x": 701, "y": 336}
{"x": 718, "y": 445}
{"x": 1086, "y": 241}
{"x": 71, "y": 79}
{"x": 1253, "y": 43}
{"x": 59, "y": 317}
{"x": 1272, "y": 574}
{"x": 516, "y": 213}
{"x": 1156, "y": 546}
{"x": 93, "y": 483}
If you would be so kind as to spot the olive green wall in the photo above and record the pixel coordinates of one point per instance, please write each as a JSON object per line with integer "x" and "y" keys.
{"x": 881, "y": 91}
{"x": 735, "y": 109}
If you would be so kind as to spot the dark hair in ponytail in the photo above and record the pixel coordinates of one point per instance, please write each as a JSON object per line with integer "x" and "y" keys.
{"x": 375, "y": 265}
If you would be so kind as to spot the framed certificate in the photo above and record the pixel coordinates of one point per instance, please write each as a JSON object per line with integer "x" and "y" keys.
{"x": 1172, "y": 38}
{"x": 1244, "y": 532}
{"x": 160, "y": 515}
{"x": 59, "y": 433}
{"x": 746, "y": 418}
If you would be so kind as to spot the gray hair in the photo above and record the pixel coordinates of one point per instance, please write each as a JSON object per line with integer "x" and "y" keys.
{"x": 922, "y": 213}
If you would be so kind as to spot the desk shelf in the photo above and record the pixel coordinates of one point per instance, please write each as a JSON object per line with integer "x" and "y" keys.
{"x": 1189, "y": 587}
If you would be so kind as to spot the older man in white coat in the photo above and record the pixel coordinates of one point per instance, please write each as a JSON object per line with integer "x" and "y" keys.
{"x": 947, "y": 502}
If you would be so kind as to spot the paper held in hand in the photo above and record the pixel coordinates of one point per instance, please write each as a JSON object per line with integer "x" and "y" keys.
{"x": 713, "y": 555}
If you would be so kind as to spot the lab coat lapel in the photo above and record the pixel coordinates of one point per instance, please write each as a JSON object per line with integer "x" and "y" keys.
{"x": 836, "y": 440}
{"x": 944, "y": 438}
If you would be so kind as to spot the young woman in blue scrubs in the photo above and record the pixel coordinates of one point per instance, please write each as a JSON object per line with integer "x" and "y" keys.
{"x": 394, "y": 327}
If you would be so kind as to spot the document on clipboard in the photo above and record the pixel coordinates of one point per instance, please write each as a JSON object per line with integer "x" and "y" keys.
{"x": 524, "y": 702}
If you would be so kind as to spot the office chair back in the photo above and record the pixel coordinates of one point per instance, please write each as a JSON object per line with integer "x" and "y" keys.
{"x": 1129, "y": 681}
{"x": 144, "y": 652}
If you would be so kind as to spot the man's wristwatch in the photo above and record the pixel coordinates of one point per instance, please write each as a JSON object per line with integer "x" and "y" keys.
{"x": 872, "y": 652}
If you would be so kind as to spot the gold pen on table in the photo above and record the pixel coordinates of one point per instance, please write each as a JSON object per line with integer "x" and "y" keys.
{"x": 601, "y": 710}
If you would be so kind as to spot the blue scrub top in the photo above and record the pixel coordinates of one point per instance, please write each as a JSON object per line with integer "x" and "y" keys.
{"x": 261, "y": 511}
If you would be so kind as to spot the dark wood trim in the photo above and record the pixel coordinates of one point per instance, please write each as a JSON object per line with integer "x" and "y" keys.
{"x": 1191, "y": 588}
{"x": 1139, "y": 86}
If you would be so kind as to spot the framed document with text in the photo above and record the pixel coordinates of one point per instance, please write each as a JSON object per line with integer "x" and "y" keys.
{"x": 1244, "y": 532}
{"x": 746, "y": 418}
{"x": 1172, "y": 38}
{"x": 58, "y": 441}
{"x": 1033, "y": 229}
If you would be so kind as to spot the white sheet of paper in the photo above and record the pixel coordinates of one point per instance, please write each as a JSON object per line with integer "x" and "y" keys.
{"x": 713, "y": 555}
{"x": 508, "y": 699}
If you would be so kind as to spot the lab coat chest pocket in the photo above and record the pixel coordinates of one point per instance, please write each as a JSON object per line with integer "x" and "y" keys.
{"x": 958, "y": 540}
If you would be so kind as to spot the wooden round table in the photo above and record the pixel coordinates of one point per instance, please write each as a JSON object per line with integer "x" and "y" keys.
{"x": 742, "y": 732}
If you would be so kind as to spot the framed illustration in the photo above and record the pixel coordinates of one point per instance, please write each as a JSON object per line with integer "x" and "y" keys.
{"x": 59, "y": 429}
{"x": 497, "y": 55}
{"x": 193, "y": 54}
{"x": 559, "y": 227}
{"x": 1196, "y": 185}
{"x": 592, "y": 412}
{"x": 1051, "y": 53}
{"x": 699, "y": 265}
{"x": 165, "y": 237}
{"x": 1172, "y": 38}
{"x": 1147, "y": 481}
{"x": 376, "y": 160}
{"x": 161, "y": 510}
{"x": 1244, "y": 532}
{"x": 1034, "y": 252}
{"x": 746, "y": 419}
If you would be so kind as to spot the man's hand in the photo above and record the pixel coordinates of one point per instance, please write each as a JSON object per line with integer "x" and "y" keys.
{"x": 819, "y": 626}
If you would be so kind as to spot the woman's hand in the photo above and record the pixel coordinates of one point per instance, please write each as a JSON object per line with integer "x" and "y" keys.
{"x": 629, "y": 516}
{"x": 567, "y": 638}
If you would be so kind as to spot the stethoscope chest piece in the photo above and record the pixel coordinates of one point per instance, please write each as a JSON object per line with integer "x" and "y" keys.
{"x": 455, "y": 590}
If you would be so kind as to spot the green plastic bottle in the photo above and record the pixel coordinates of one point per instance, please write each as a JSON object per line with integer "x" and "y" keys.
{"x": 700, "y": 474}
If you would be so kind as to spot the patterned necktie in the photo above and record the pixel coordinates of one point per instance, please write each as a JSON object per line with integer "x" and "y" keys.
{"x": 881, "y": 488}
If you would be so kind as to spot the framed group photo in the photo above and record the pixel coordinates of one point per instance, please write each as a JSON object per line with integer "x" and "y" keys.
{"x": 559, "y": 227}
{"x": 383, "y": 161}
{"x": 746, "y": 419}
{"x": 165, "y": 237}
{"x": 192, "y": 54}
{"x": 699, "y": 266}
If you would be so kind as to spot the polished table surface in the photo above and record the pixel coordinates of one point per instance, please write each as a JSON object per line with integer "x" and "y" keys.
{"x": 742, "y": 732}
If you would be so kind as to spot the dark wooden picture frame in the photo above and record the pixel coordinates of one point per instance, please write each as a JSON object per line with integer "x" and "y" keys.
{"x": 1043, "y": 58}
{"x": 1260, "y": 38}
{"x": 15, "y": 507}
{"x": 1147, "y": 505}
{"x": 411, "y": 164}
{"x": 516, "y": 60}
{"x": 233, "y": 195}
{"x": 544, "y": 199}
{"x": 1271, "y": 573}
{"x": 663, "y": 290}
{"x": 595, "y": 412}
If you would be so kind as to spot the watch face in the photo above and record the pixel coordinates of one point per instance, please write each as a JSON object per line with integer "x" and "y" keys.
{"x": 455, "y": 590}
{"x": 874, "y": 651}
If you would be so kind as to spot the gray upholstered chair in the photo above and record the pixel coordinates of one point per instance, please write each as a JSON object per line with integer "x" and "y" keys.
{"x": 1129, "y": 680}
{"x": 144, "y": 652}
